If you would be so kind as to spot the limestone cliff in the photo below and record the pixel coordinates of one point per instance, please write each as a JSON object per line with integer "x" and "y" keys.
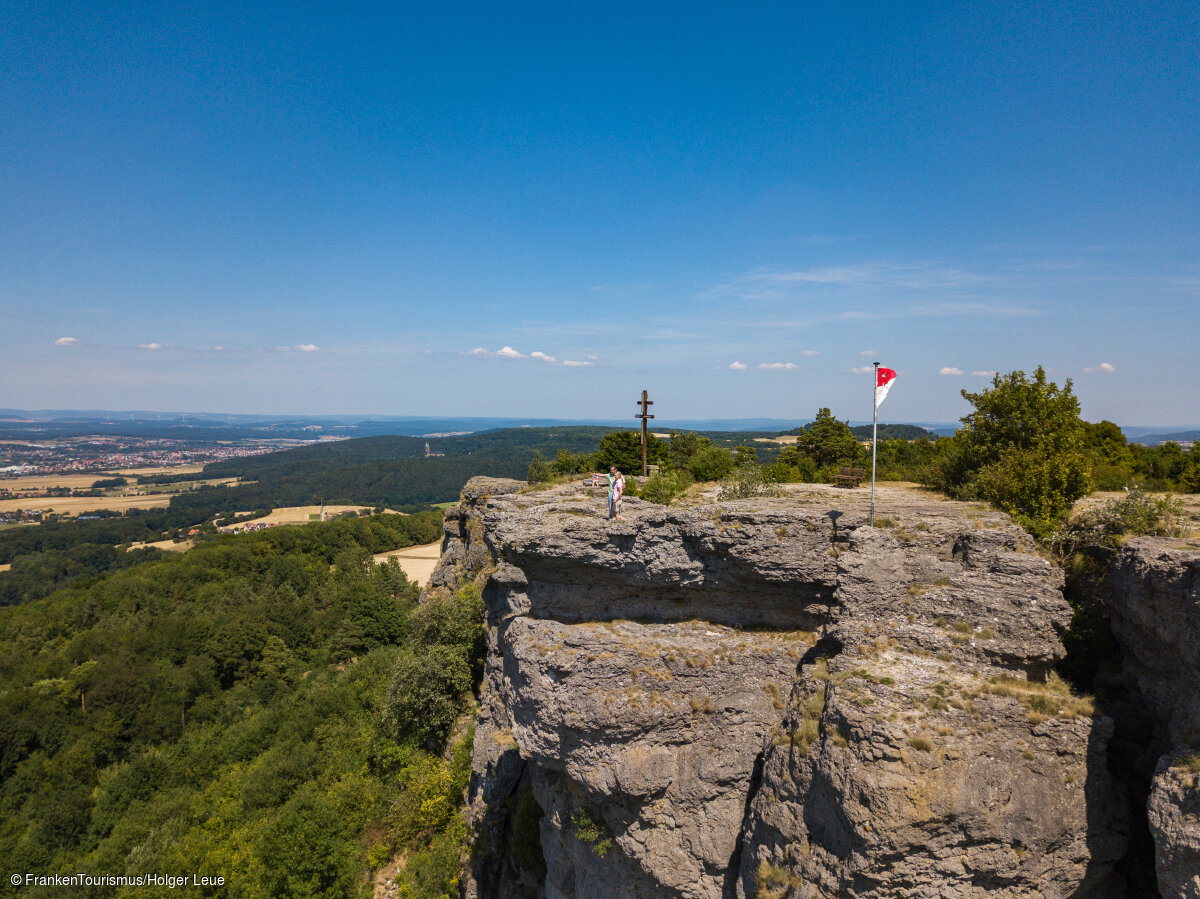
{"x": 1152, "y": 593}
{"x": 769, "y": 698}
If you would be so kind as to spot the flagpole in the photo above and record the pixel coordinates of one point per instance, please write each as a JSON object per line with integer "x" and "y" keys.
{"x": 874, "y": 438}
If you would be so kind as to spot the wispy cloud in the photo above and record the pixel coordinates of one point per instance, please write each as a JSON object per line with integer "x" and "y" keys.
{"x": 868, "y": 352}
{"x": 150, "y": 346}
{"x": 1102, "y": 367}
{"x": 307, "y": 348}
{"x": 862, "y": 369}
{"x": 507, "y": 352}
{"x": 738, "y": 366}
{"x": 983, "y": 374}
{"x": 810, "y": 352}
{"x": 777, "y": 366}
{"x": 66, "y": 341}
{"x": 948, "y": 370}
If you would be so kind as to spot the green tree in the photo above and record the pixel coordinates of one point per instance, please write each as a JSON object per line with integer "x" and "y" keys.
{"x": 829, "y": 441}
{"x": 624, "y": 450}
{"x": 711, "y": 463}
{"x": 539, "y": 470}
{"x": 1022, "y": 449}
{"x": 305, "y": 851}
{"x": 684, "y": 445}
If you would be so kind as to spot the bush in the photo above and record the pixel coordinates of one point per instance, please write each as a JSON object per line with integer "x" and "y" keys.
{"x": 747, "y": 481}
{"x": 1136, "y": 514}
{"x": 663, "y": 487}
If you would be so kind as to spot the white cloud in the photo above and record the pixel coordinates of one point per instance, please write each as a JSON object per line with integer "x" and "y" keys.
{"x": 777, "y": 366}
{"x": 738, "y": 366}
{"x": 810, "y": 352}
{"x": 1103, "y": 366}
{"x": 66, "y": 341}
{"x": 150, "y": 346}
{"x": 950, "y": 371}
{"x": 307, "y": 348}
{"x": 507, "y": 352}
{"x": 862, "y": 369}
{"x": 869, "y": 353}
{"x": 983, "y": 374}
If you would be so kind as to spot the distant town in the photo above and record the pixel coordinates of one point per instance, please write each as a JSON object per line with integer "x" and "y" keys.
{"x": 80, "y": 455}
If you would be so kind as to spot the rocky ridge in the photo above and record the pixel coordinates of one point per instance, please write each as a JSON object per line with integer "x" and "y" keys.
{"x": 769, "y": 698}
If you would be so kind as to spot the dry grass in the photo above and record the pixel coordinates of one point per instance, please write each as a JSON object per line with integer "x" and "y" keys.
{"x": 1052, "y": 699}
{"x": 417, "y": 562}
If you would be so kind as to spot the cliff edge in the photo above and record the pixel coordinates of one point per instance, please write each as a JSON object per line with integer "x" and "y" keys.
{"x": 768, "y": 697}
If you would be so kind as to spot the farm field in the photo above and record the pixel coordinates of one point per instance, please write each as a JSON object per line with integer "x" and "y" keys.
{"x": 417, "y": 562}
{"x": 169, "y": 545}
{"x": 77, "y": 505}
{"x": 48, "y": 481}
{"x": 302, "y": 514}
{"x": 158, "y": 470}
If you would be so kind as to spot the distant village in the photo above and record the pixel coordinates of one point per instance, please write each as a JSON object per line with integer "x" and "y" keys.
{"x": 101, "y": 454}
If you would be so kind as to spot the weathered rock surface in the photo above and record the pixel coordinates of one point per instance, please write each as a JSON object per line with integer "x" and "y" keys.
{"x": 770, "y": 698}
{"x": 1153, "y": 598}
{"x": 1174, "y": 815}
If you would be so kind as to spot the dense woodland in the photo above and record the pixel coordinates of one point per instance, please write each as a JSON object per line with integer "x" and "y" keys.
{"x": 262, "y": 707}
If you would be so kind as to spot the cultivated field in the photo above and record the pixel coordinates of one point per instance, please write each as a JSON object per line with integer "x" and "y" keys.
{"x": 161, "y": 469}
{"x": 782, "y": 441}
{"x": 80, "y": 505}
{"x": 117, "y": 499}
{"x": 303, "y": 514}
{"x": 47, "y": 481}
{"x": 417, "y": 562}
{"x": 169, "y": 545}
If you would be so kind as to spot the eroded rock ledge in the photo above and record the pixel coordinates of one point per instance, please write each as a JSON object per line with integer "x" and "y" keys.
{"x": 769, "y": 698}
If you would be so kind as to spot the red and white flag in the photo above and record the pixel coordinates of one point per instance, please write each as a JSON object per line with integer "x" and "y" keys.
{"x": 883, "y": 383}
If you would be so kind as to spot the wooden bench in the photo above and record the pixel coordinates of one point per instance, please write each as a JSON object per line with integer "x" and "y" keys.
{"x": 849, "y": 477}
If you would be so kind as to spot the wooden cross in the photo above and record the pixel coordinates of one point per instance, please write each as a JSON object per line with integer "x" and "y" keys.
{"x": 644, "y": 415}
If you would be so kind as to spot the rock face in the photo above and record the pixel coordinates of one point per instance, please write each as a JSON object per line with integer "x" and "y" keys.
{"x": 769, "y": 698}
{"x": 1153, "y": 597}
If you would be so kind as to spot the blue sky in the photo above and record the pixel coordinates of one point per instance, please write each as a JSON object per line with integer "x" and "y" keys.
{"x": 541, "y": 209}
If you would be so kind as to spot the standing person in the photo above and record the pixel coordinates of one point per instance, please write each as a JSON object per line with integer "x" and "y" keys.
{"x": 618, "y": 492}
{"x": 612, "y": 486}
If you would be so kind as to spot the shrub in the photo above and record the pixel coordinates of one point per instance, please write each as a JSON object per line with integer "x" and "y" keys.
{"x": 747, "y": 481}
{"x": 663, "y": 487}
{"x": 1137, "y": 513}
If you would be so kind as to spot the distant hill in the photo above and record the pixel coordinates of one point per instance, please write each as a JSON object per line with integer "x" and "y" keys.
{"x": 894, "y": 432}
{"x": 1176, "y": 437}
{"x": 388, "y": 471}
